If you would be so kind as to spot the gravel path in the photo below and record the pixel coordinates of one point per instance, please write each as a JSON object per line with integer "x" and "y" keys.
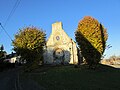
{"x": 8, "y": 80}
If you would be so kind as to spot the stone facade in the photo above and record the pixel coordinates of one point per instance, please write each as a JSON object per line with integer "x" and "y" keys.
{"x": 60, "y": 48}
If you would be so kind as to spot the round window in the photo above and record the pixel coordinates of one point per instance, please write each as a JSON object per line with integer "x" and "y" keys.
{"x": 57, "y": 38}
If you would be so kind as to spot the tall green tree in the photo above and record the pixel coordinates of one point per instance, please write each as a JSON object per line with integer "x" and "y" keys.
{"x": 29, "y": 43}
{"x": 91, "y": 37}
{"x": 2, "y": 53}
{"x": 1, "y": 48}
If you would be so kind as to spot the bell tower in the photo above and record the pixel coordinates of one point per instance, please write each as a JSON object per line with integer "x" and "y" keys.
{"x": 56, "y": 26}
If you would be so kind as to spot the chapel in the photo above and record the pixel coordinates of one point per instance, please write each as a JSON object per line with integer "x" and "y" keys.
{"x": 60, "y": 48}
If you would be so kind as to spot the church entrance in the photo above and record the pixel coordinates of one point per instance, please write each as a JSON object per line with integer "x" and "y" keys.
{"x": 58, "y": 56}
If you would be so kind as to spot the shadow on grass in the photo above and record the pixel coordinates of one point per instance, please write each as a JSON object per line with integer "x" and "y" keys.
{"x": 81, "y": 78}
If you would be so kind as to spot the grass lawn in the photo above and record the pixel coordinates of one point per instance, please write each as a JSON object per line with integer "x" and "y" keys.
{"x": 70, "y": 78}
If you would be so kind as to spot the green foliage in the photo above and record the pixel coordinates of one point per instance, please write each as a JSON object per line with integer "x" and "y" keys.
{"x": 29, "y": 43}
{"x": 2, "y": 55}
{"x": 2, "y": 58}
{"x": 91, "y": 37}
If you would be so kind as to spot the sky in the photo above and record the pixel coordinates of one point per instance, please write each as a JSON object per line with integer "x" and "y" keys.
{"x": 43, "y": 13}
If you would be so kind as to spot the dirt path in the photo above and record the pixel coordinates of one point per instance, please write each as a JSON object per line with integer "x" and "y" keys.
{"x": 115, "y": 66}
